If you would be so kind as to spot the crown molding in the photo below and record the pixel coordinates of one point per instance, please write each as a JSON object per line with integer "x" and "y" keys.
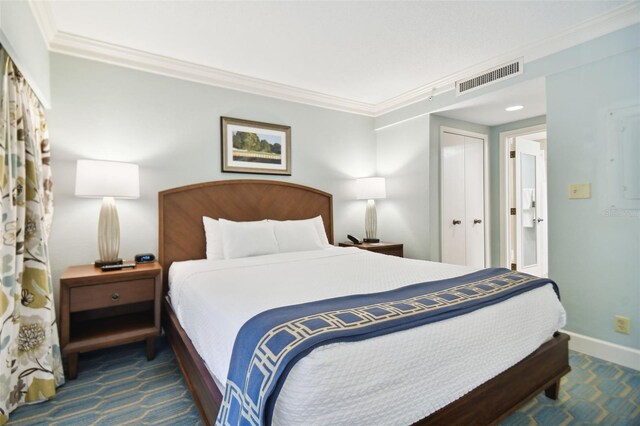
{"x": 43, "y": 15}
{"x": 84, "y": 47}
{"x": 616, "y": 19}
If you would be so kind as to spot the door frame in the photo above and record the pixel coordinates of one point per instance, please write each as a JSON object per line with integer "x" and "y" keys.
{"x": 487, "y": 211}
{"x": 505, "y": 232}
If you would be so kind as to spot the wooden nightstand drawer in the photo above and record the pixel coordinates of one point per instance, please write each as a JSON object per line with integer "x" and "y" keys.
{"x": 395, "y": 251}
{"x": 113, "y": 294}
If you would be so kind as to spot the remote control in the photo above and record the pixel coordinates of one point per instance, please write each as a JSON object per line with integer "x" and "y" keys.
{"x": 106, "y": 268}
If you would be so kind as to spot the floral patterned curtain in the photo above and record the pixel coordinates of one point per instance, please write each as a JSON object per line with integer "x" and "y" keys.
{"x": 30, "y": 364}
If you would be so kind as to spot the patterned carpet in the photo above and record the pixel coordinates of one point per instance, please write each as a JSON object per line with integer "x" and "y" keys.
{"x": 119, "y": 387}
{"x": 595, "y": 392}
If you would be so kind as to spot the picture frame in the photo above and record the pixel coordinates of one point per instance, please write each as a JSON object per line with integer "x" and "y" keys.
{"x": 255, "y": 147}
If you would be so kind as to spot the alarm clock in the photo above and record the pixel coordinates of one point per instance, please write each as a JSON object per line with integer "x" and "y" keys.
{"x": 145, "y": 258}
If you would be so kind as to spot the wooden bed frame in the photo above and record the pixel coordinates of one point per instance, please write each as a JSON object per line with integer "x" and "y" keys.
{"x": 182, "y": 238}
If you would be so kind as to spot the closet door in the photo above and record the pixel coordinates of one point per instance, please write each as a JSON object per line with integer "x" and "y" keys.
{"x": 452, "y": 196}
{"x": 474, "y": 201}
{"x": 463, "y": 199}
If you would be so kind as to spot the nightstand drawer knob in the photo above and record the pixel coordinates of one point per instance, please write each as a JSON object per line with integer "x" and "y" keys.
{"x": 115, "y": 296}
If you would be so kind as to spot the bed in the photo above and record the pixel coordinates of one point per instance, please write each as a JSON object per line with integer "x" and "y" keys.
{"x": 182, "y": 238}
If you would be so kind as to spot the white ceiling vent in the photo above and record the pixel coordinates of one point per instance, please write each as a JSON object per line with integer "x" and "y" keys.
{"x": 491, "y": 76}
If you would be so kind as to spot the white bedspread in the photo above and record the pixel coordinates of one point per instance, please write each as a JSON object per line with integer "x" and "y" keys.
{"x": 393, "y": 379}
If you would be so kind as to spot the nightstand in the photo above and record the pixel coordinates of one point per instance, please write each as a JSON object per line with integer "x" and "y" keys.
{"x": 102, "y": 309}
{"x": 392, "y": 249}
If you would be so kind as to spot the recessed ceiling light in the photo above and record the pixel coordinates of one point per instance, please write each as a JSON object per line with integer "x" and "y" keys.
{"x": 514, "y": 108}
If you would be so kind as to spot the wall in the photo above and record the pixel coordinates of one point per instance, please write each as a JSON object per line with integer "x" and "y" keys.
{"x": 171, "y": 129}
{"x": 403, "y": 158}
{"x": 408, "y": 155}
{"x": 594, "y": 249}
{"x": 21, "y": 38}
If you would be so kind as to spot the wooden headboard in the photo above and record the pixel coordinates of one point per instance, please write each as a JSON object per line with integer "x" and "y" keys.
{"x": 181, "y": 210}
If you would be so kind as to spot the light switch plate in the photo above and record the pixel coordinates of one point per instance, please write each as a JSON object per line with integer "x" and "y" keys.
{"x": 579, "y": 190}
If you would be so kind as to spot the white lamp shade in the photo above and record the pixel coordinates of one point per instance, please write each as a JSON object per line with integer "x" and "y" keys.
{"x": 97, "y": 179}
{"x": 371, "y": 188}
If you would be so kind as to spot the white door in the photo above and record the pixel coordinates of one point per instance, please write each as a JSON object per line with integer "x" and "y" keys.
{"x": 474, "y": 201}
{"x": 453, "y": 199}
{"x": 530, "y": 201}
{"x": 463, "y": 221}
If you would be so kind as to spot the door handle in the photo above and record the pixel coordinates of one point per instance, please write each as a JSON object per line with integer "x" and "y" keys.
{"x": 457, "y": 222}
{"x": 476, "y": 221}
{"x": 540, "y": 220}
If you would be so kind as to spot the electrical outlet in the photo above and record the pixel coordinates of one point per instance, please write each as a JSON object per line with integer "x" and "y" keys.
{"x": 622, "y": 324}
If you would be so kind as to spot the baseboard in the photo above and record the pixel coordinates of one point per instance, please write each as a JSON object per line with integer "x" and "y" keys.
{"x": 611, "y": 352}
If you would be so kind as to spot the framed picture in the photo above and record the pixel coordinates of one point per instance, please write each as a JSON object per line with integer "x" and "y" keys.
{"x": 254, "y": 147}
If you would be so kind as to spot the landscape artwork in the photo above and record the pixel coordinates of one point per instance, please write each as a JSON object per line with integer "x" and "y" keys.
{"x": 254, "y": 147}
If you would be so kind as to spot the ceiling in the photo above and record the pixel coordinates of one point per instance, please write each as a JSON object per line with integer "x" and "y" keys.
{"x": 371, "y": 56}
{"x": 489, "y": 109}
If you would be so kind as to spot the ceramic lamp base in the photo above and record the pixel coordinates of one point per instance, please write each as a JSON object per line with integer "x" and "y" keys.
{"x": 109, "y": 233}
{"x": 370, "y": 222}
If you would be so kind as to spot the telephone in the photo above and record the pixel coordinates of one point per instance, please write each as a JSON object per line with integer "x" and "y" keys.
{"x": 353, "y": 239}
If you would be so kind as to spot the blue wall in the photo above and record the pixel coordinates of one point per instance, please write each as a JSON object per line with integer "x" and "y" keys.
{"x": 594, "y": 250}
{"x": 401, "y": 154}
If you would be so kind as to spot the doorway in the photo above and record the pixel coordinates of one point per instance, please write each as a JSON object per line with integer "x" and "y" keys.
{"x": 523, "y": 200}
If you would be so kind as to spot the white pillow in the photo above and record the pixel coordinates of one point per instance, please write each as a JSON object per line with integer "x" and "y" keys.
{"x": 296, "y": 235}
{"x": 213, "y": 237}
{"x": 318, "y": 225}
{"x": 245, "y": 239}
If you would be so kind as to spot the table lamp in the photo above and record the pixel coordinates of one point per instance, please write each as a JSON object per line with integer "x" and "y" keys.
{"x": 107, "y": 180}
{"x": 371, "y": 189}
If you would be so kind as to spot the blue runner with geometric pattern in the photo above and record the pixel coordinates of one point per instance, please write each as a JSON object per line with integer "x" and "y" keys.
{"x": 270, "y": 343}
